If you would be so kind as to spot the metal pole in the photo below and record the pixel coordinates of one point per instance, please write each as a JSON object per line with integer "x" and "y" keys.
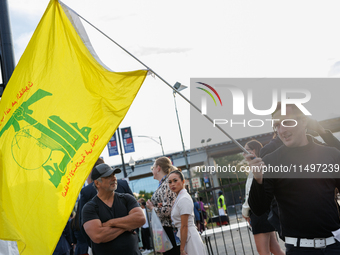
{"x": 121, "y": 152}
{"x": 184, "y": 151}
{"x": 6, "y": 46}
{"x": 160, "y": 141}
{"x": 174, "y": 90}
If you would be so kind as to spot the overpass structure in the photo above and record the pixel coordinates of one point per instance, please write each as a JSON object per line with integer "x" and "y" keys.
{"x": 206, "y": 155}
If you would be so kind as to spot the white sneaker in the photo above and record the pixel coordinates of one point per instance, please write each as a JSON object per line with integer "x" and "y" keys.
{"x": 146, "y": 252}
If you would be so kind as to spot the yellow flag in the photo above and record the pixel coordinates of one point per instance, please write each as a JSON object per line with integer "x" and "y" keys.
{"x": 58, "y": 111}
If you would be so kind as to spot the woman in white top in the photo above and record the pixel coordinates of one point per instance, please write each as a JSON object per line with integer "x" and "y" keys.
{"x": 182, "y": 215}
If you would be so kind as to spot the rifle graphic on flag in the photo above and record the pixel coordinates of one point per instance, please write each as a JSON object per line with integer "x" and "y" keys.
{"x": 58, "y": 111}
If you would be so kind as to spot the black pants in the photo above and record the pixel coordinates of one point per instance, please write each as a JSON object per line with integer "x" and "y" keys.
{"x": 175, "y": 250}
{"x": 146, "y": 238}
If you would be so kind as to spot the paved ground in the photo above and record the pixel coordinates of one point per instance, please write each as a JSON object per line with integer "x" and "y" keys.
{"x": 237, "y": 240}
{"x": 233, "y": 239}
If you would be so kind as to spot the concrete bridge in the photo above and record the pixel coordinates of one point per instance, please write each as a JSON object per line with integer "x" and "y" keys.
{"x": 205, "y": 155}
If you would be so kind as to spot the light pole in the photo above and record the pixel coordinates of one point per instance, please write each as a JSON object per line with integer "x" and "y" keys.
{"x": 205, "y": 147}
{"x": 7, "y": 63}
{"x": 178, "y": 86}
{"x": 153, "y": 139}
{"x": 121, "y": 152}
{"x": 208, "y": 140}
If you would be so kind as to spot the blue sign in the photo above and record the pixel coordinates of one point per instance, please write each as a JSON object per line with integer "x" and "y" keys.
{"x": 112, "y": 146}
{"x": 206, "y": 179}
{"x": 127, "y": 140}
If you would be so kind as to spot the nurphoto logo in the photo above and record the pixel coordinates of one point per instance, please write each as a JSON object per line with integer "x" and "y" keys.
{"x": 246, "y": 98}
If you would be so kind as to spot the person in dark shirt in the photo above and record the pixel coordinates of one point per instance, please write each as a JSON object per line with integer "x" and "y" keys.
{"x": 86, "y": 194}
{"x": 306, "y": 200}
{"x": 315, "y": 128}
{"x": 197, "y": 210}
{"x": 145, "y": 230}
{"x": 110, "y": 218}
{"x": 79, "y": 240}
{"x": 65, "y": 242}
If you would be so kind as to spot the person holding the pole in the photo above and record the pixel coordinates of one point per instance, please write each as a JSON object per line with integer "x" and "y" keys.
{"x": 308, "y": 209}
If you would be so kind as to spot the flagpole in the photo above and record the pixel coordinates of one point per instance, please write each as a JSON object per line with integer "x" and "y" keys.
{"x": 174, "y": 90}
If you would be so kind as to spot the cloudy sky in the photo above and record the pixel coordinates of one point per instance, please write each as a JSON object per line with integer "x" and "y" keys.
{"x": 180, "y": 40}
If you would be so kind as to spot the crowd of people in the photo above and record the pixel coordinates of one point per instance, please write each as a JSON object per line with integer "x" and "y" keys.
{"x": 303, "y": 209}
{"x": 108, "y": 217}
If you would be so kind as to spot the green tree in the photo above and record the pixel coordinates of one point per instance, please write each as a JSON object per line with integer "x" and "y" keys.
{"x": 145, "y": 195}
{"x": 234, "y": 161}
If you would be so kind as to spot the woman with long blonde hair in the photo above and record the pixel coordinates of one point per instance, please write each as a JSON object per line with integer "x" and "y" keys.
{"x": 163, "y": 199}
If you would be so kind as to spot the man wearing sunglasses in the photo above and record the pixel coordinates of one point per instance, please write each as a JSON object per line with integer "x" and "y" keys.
{"x": 305, "y": 192}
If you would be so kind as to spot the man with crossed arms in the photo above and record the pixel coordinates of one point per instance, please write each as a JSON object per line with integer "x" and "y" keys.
{"x": 110, "y": 218}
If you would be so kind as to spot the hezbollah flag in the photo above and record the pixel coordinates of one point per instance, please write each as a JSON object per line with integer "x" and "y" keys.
{"x": 58, "y": 111}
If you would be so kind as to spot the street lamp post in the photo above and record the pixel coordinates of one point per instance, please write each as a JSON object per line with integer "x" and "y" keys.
{"x": 208, "y": 140}
{"x": 153, "y": 139}
{"x": 178, "y": 86}
{"x": 205, "y": 147}
{"x": 121, "y": 152}
{"x": 7, "y": 62}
